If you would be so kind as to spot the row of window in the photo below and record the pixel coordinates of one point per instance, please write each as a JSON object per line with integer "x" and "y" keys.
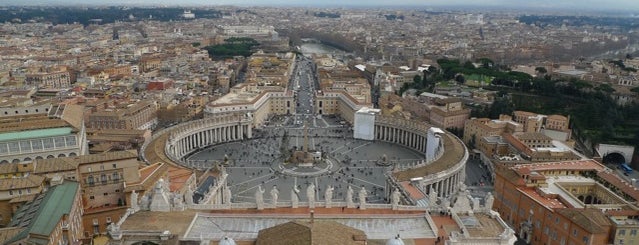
{"x": 104, "y": 178}
{"x": 19, "y": 192}
{"x": 35, "y": 145}
{"x": 16, "y": 112}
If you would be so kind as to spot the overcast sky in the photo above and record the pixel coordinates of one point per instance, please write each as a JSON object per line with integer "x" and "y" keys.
{"x": 631, "y": 5}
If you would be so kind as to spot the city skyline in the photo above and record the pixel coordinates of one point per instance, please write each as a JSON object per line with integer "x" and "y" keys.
{"x": 621, "y": 5}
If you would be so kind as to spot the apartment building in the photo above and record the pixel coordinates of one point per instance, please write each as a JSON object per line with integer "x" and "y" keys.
{"x": 125, "y": 115}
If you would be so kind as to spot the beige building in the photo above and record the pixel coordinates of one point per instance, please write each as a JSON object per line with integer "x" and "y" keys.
{"x": 478, "y": 128}
{"x": 246, "y": 100}
{"x": 449, "y": 113}
{"x": 51, "y": 78}
{"x": 60, "y": 132}
{"x": 16, "y": 191}
{"x": 135, "y": 115}
{"x": 103, "y": 179}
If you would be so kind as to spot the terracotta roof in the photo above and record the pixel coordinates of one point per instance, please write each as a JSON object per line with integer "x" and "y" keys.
{"x": 625, "y": 187}
{"x": 565, "y": 165}
{"x": 30, "y": 181}
{"x": 625, "y": 212}
{"x": 71, "y": 163}
{"x": 317, "y": 232}
{"x": 178, "y": 177}
{"x": 510, "y": 175}
{"x": 30, "y": 122}
{"x": 148, "y": 176}
{"x": 589, "y": 219}
{"x": 548, "y": 202}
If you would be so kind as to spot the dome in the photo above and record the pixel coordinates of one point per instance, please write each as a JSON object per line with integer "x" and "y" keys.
{"x": 395, "y": 241}
{"x": 227, "y": 241}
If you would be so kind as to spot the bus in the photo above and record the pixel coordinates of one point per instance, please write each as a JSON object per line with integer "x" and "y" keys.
{"x": 626, "y": 168}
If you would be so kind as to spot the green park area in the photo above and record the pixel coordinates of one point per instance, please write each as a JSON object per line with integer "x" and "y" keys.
{"x": 235, "y": 46}
{"x": 594, "y": 111}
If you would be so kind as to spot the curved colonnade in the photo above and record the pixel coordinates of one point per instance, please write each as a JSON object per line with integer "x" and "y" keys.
{"x": 442, "y": 174}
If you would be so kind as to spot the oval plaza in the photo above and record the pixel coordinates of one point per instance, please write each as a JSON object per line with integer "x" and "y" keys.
{"x": 282, "y": 152}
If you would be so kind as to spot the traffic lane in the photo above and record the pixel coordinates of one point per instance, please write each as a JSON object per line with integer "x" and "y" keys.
{"x": 477, "y": 174}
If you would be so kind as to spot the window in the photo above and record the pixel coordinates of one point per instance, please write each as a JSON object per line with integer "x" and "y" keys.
{"x": 48, "y": 143}
{"x": 115, "y": 166}
{"x": 101, "y": 167}
{"x": 574, "y": 232}
{"x": 36, "y": 144}
{"x": 91, "y": 197}
{"x": 10, "y": 192}
{"x": 28, "y": 191}
{"x": 108, "y": 220}
{"x": 90, "y": 180}
{"x": 106, "y": 194}
{"x": 622, "y": 232}
{"x": 633, "y": 232}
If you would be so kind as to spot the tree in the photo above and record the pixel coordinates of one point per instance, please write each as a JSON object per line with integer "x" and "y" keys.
{"x": 460, "y": 79}
{"x": 417, "y": 79}
{"x": 541, "y": 70}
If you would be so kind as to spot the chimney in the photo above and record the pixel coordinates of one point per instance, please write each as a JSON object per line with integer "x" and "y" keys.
{"x": 312, "y": 216}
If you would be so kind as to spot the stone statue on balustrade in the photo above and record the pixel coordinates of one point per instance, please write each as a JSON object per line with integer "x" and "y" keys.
{"x": 328, "y": 196}
{"x": 178, "y": 202}
{"x": 188, "y": 196}
{"x": 227, "y": 195}
{"x": 489, "y": 201}
{"x": 310, "y": 194}
{"x": 476, "y": 206}
{"x": 259, "y": 198}
{"x": 134, "y": 201}
{"x": 349, "y": 198}
{"x": 274, "y": 195}
{"x": 395, "y": 198}
{"x": 295, "y": 198}
{"x": 362, "y": 198}
{"x": 462, "y": 202}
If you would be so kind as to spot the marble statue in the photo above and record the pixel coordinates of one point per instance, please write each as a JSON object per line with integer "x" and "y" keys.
{"x": 188, "y": 197}
{"x": 463, "y": 201}
{"x": 227, "y": 195}
{"x": 349, "y": 197}
{"x": 476, "y": 206}
{"x": 489, "y": 201}
{"x": 362, "y": 198}
{"x": 134, "y": 201}
{"x": 259, "y": 198}
{"x": 295, "y": 198}
{"x": 328, "y": 196}
{"x": 310, "y": 194}
{"x": 395, "y": 198}
{"x": 178, "y": 202}
{"x": 274, "y": 195}
{"x": 445, "y": 202}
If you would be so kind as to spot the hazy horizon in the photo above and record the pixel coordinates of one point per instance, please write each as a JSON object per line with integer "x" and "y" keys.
{"x": 617, "y": 5}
